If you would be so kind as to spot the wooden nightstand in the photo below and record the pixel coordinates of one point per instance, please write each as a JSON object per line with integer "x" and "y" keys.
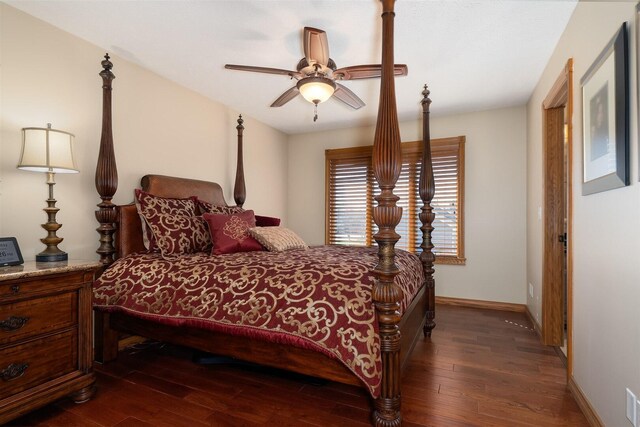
{"x": 45, "y": 335}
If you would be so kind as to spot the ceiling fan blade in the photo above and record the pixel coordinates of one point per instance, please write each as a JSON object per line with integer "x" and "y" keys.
{"x": 367, "y": 71}
{"x": 286, "y": 97}
{"x": 265, "y": 70}
{"x": 345, "y": 95}
{"x": 316, "y": 46}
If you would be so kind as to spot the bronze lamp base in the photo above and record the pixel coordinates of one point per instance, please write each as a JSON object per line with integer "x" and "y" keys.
{"x": 52, "y": 253}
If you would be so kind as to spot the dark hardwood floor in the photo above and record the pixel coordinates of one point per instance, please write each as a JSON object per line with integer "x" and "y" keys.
{"x": 481, "y": 368}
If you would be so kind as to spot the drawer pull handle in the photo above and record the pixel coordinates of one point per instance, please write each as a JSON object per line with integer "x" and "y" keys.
{"x": 13, "y": 371}
{"x": 15, "y": 289}
{"x": 13, "y": 323}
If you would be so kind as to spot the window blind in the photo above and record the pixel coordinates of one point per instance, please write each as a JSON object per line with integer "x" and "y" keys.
{"x": 351, "y": 189}
{"x": 351, "y": 199}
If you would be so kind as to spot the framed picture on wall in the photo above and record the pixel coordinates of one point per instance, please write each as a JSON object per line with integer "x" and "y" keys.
{"x": 605, "y": 118}
{"x": 638, "y": 71}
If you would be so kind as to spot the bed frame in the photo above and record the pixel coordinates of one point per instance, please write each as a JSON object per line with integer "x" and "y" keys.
{"x": 398, "y": 334}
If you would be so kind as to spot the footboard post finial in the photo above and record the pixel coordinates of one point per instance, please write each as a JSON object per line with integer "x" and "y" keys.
{"x": 106, "y": 171}
{"x": 427, "y": 190}
{"x": 386, "y": 295}
{"x": 239, "y": 190}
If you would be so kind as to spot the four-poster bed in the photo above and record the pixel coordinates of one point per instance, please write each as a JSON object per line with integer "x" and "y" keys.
{"x": 398, "y": 319}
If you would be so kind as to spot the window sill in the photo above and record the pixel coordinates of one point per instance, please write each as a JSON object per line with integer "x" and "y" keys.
{"x": 450, "y": 260}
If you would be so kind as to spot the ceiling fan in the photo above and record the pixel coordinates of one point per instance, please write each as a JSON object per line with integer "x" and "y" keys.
{"x": 317, "y": 74}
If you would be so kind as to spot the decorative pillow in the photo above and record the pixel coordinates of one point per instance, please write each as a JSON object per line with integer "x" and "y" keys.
{"x": 230, "y": 233}
{"x": 277, "y": 239}
{"x": 178, "y": 235}
{"x": 149, "y": 206}
{"x": 267, "y": 221}
{"x": 206, "y": 207}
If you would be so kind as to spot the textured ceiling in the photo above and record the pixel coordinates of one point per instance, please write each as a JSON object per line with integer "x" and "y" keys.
{"x": 473, "y": 54}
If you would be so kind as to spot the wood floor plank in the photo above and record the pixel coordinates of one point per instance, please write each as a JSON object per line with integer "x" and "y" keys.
{"x": 421, "y": 411}
{"x": 167, "y": 418}
{"x": 55, "y": 417}
{"x": 211, "y": 400}
{"x": 133, "y": 422}
{"x": 355, "y": 400}
{"x": 225, "y": 419}
{"x": 512, "y": 412}
{"x": 158, "y": 384}
{"x": 97, "y": 411}
{"x": 539, "y": 404}
{"x": 480, "y": 368}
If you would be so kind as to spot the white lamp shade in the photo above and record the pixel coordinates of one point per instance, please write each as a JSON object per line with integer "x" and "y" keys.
{"x": 47, "y": 150}
{"x": 316, "y": 89}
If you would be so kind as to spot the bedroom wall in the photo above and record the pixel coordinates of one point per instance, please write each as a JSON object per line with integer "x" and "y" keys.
{"x": 495, "y": 176}
{"x": 606, "y": 238}
{"x": 48, "y": 75}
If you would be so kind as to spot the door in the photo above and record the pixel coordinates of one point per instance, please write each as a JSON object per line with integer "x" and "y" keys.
{"x": 558, "y": 225}
{"x": 554, "y": 202}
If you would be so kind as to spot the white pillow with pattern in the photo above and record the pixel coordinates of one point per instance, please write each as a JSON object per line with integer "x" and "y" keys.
{"x": 277, "y": 239}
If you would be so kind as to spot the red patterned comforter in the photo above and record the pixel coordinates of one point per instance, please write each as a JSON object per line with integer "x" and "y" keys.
{"x": 319, "y": 298}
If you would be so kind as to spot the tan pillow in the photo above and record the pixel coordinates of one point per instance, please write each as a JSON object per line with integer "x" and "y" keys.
{"x": 277, "y": 239}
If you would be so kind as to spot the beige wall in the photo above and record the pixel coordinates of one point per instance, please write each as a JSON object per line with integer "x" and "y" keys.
{"x": 48, "y": 75}
{"x": 606, "y": 240}
{"x": 494, "y": 197}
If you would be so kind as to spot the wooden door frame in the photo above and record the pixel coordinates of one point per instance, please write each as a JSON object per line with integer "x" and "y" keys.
{"x": 560, "y": 95}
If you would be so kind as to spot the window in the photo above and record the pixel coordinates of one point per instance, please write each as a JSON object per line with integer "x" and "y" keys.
{"x": 351, "y": 188}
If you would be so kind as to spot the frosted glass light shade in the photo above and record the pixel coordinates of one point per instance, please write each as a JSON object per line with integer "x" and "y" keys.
{"x": 316, "y": 89}
{"x": 47, "y": 150}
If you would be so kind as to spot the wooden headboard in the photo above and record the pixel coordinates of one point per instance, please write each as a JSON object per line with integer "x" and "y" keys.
{"x": 182, "y": 188}
{"x": 128, "y": 236}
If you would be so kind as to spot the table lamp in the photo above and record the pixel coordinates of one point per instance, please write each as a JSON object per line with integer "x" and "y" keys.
{"x": 50, "y": 151}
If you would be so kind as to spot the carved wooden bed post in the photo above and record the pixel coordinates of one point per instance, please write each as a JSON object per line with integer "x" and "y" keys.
{"x": 106, "y": 171}
{"x": 427, "y": 191}
{"x": 239, "y": 190}
{"x": 387, "y": 164}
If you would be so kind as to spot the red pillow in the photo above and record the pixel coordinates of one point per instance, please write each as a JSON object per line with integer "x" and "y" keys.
{"x": 230, "y": 233}
{"x": 149, "y": 206}
{"x": 267, "y": 221}
{"x": 206, "y": 207}
{"x": 177, "y": 235}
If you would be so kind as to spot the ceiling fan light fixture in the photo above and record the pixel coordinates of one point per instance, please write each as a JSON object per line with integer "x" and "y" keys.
{"x": 316, "y": 89}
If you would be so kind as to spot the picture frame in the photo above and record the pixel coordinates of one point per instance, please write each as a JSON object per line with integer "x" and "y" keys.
{"x": 638, "y": 70}
{"x": 10, "y": 252}
{"x": 605, "y": 118}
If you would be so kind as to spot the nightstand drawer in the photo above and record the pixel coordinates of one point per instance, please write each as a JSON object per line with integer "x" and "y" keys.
{"x": 37, "y": 316}
{"x": 26, "y": 365}
{"x": 41, "y": 285}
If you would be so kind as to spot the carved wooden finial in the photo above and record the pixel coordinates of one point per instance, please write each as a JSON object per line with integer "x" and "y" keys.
{"x": 239, "y": 189}
{"x": 426, "y": 101}
{"x": 107, "y": 65}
